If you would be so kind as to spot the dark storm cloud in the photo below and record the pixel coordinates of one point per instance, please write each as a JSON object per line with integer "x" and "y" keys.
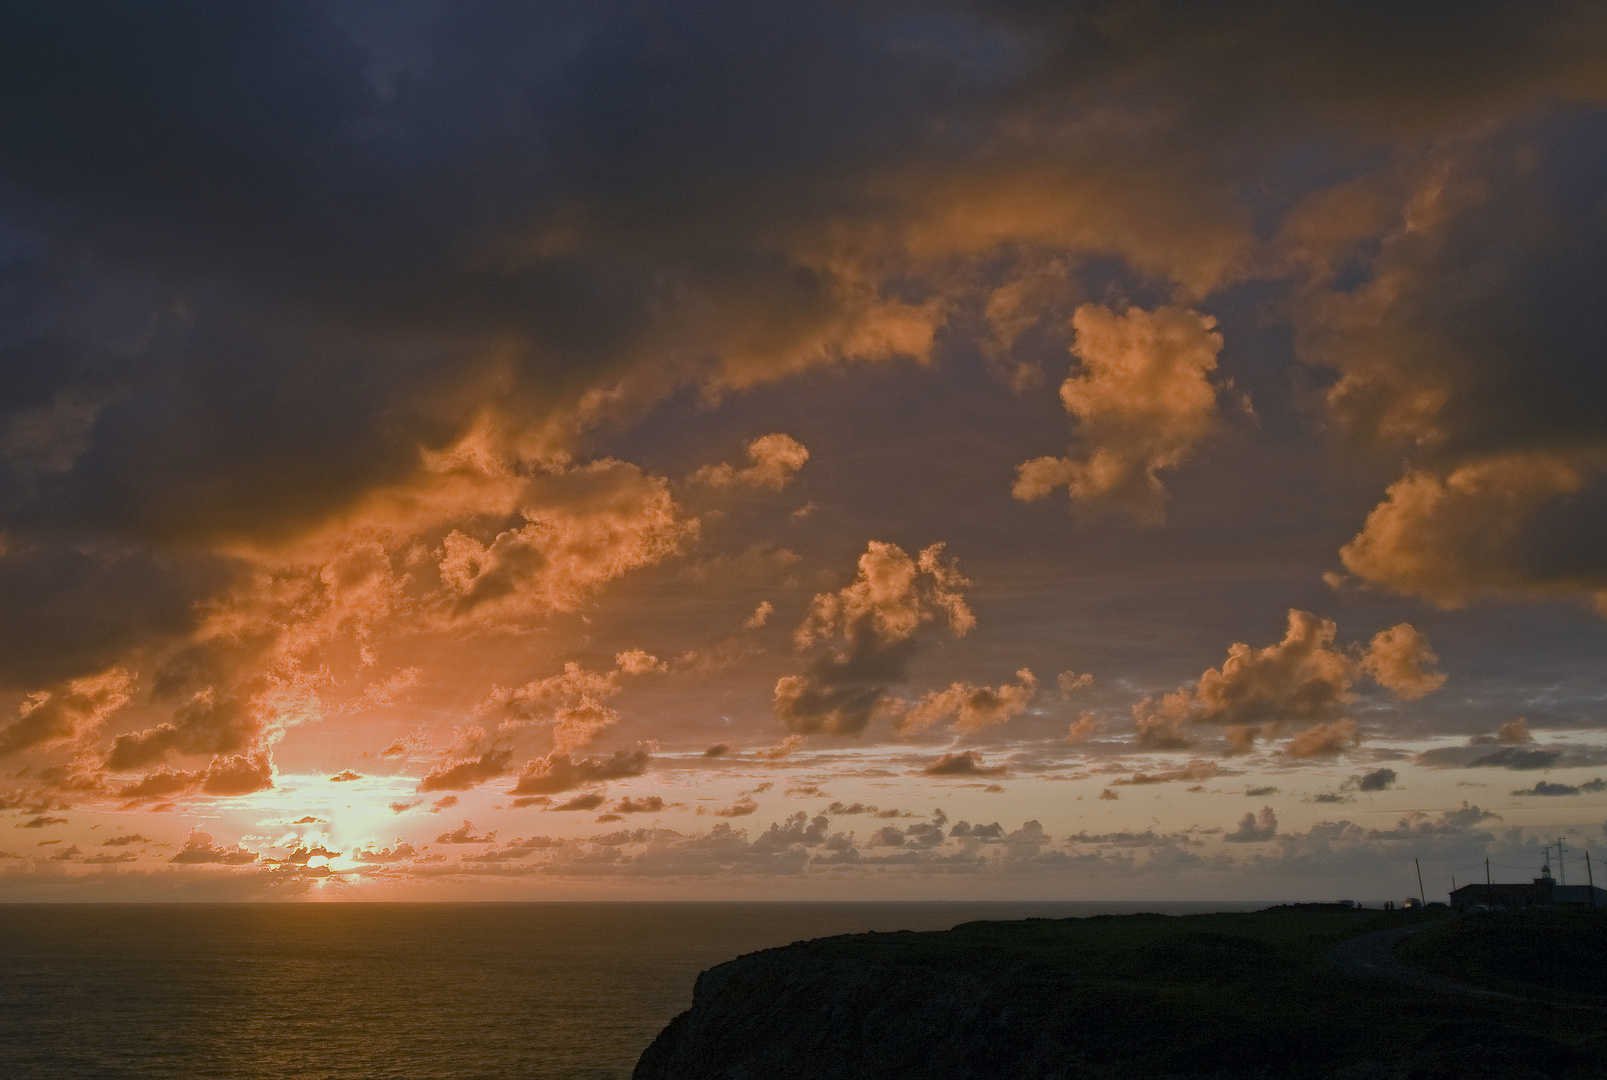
{"x": 1487, "y": 297}
{"x": 329, "y": 263}
{"x": 1475, "y": 350}
{"x": 74, "y": 609}
{"x": 339, "y": 245}
{"x": 260, "y": 264}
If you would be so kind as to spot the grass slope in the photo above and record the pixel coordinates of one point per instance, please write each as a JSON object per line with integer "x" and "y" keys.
{"x": 1562, "y": 952}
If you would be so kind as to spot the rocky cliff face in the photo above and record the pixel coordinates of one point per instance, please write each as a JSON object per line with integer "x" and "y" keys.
{"x": 1137, "y": 996}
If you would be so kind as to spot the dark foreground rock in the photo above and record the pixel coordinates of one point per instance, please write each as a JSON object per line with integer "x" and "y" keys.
{"x": 1140, "y": 996}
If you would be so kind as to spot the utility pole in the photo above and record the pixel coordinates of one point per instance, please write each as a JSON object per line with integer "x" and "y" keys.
{"x": 1421, "y": 896}
{"x": 1562, "y": 865}
{"x": 1590, "y": 877}
{"x": 1487, "y": 873}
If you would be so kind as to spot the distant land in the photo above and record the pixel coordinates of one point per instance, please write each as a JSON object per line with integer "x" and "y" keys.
{"x": 1289, "y": 991}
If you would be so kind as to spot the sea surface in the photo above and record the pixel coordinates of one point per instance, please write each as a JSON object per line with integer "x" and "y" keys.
{"x": 566, "y": 991}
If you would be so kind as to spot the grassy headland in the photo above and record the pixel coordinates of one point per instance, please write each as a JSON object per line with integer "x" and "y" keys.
{"x": 1231, "y": 995}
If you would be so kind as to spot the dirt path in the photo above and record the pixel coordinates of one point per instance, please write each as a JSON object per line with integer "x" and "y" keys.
{"x": 1374, "y": 954}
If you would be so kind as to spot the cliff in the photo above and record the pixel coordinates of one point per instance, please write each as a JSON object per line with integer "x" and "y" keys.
{"x": 1219, "y": 996}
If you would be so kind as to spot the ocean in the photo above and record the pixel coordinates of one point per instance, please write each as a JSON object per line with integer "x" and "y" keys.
{"x": 535, "y": 991}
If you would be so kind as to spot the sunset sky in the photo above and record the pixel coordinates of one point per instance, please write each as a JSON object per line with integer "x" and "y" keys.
{"x": 469, "y": 450}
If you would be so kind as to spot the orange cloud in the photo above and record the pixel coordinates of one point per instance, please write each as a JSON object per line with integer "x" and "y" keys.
{"x": 1304, "y": 677}
{"x": 963, "y": 763}
{"x": 200, "y": 849}
{"x": 775, "y": 460}
{"x": 1324, "y": 740}
{"x": 572, "y": 704}
{"x": 584, "y": 527}
{"x": 866, "y": 632}
{"x": 1395, "y": 659}
{"x": 559, "y": 772}
{"x": 974, "y": 707}
{"x": 465, "y": 773}
{"x": 1143, "y": 399}
{"x": 891, "y": 598}
{"x": 1450, "y": 538}
{"x": 61, "y": 714}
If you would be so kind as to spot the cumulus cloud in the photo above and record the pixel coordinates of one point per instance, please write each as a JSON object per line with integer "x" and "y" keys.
{"x": 1512, "y": 733}
{"x": 1324, "y": 740}
{"x": 1396, "y": 659}
{"x": 465, "y": 773}
{"x": 125, "y": 840}
{"x": 962, "y": 763}
{"x": 559, "y": 772}
{"x": 465, "y": 834}
{"x": 210, "y": 722}
{"x": 866, "y": 635}
{"x": 651, "y": 804}
{"x": 1376, "y": 780}
{"x": 972, "y": 707}
{"x": 640, "y": 662}
{"x": 784, "y": 749}
{"x": 1083, "y": 728}
{"x": 572, "y": 705}
{"x": 1304, "y": 677}
{"x": 773, "y": 461}
{"x": 241, "y": 774}
{"x": 200, "y": 849}
{"x": 1143, "y": 399}
{"x": 373, "y": 855}
{"x": 1070, "y": 682}
{"x": 1447, "y": 539}
{"x": 1254, "y": 828}
{"x": 584, "y": 527}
